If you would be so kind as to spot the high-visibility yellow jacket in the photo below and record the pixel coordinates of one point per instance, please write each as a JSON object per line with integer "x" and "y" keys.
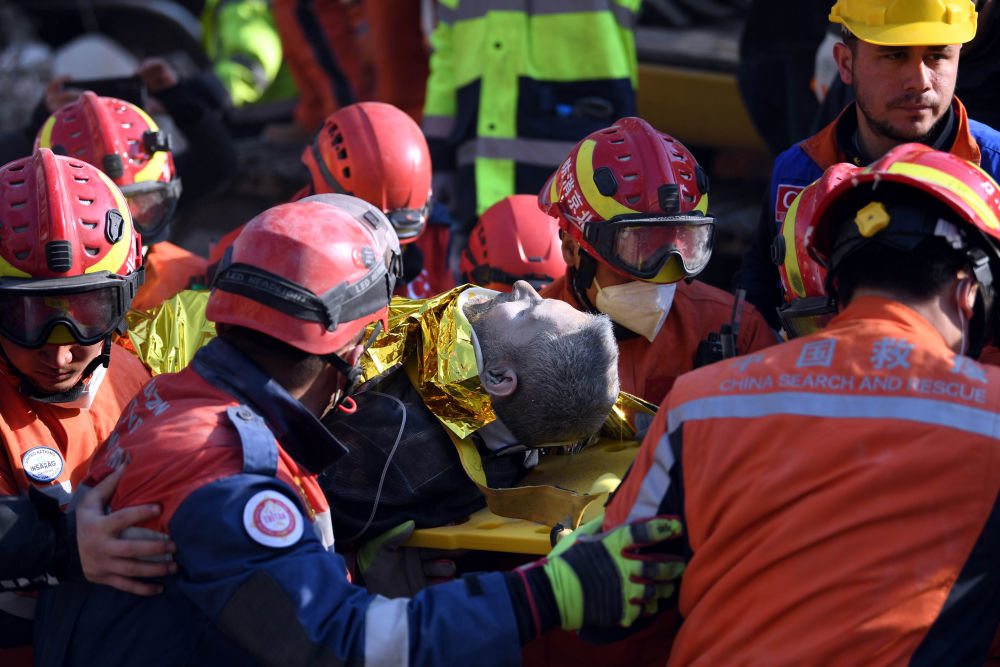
{"x": 242, "y": 42}
{"x": 514, "y": 85}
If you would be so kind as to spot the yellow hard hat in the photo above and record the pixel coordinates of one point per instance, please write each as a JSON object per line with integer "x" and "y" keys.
{"x": 908, "y": 22}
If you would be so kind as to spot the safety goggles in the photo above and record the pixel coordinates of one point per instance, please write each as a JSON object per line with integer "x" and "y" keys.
{"x": 408, "y": 222}
{"x": 806, "y": 315}
{"x": 91, "y": 306}
{"x": 152, "y": 204}
{"x": 641, "y": 246}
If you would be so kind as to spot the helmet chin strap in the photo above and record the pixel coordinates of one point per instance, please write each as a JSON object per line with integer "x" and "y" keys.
{"x": 28, "y": 389}
{"x": 581, "y": 279}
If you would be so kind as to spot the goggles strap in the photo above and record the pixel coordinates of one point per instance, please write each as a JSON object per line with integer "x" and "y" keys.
{"x": 341, "y": 303}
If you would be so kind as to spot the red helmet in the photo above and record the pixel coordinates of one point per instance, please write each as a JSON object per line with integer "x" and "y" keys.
{"x": 968, "y": 191}
{"x": 69, "y": 253}
{"x": 807, "y": 307}
{"x": 311, "y": 273}
{"x": 513, "y": 241}
{"x": 125, "y": 143}
{"x": 635, "y": 199}
{"x": 959, "y": 184}
{"x": 375, "y": 151}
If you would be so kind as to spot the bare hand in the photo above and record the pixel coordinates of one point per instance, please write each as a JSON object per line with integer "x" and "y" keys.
{"x": 108, "y": 559}
{"x": 156, "y": 74}
{"x": 57, "y": 97}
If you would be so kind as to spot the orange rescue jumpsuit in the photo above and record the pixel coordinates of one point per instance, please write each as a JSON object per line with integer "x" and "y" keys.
{"x": 840, "y": 498}
{"x": 49, "y": 447}
{"x": 169, "y": 269}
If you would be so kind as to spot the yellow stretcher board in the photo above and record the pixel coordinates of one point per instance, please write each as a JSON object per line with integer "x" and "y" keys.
{"x": 563, "y": 488}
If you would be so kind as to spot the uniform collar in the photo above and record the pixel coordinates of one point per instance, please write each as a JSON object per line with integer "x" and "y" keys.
{"x": 832, "y": 144}
{"x": 296, "y": 429}
{"x": 887, "y": 310}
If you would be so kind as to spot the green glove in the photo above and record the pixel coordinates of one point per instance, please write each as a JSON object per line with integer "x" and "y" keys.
{"x": 592, "y": 527}
{"x": 603, "y": 579}
{"x": 393, "y": 570}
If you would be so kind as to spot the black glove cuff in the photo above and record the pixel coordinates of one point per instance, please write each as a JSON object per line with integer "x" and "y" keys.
{"x": 533, "y": 602}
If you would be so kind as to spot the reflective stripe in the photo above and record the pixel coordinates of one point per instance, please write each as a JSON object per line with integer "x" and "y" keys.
{"x": 61, "y": 492}
{"x": 18, "y": 605}
{"x": 437, "y": 127}
{"x": 475, "y": 9}
{"x": 526, "y": 151}
{"x": 656, "y": 483}
{"x": 387, "y": 633}
{"x": 323, "y": 526}
{"x": 839, "y": 406}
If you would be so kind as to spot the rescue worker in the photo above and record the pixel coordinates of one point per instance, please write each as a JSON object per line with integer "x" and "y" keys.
{"x": 843, "y": 557}
{"x": 374, "y": 151}
{"x": 513, "y": 240}
{"x": 124, "y": 142}
{"x": 231, "y": 446}
{"x": 902, "y": 62}
{"x": 69, "y": 267}
{"x": 243, "y": 44}
{"x": 344, "y": 52}
{"x": 513, "y": 88}
{"x": 631, "y": 203}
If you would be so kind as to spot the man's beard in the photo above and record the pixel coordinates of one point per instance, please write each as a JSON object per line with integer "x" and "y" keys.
{"x": 885, "y": 128}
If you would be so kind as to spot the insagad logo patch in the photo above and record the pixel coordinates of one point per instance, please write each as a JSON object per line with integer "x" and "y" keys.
{"x": 42, "y": 464}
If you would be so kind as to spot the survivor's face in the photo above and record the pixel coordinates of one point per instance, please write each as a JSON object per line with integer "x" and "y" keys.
{"x": 521, "y": 314}
{"x": 51, "y": 368}
{"x": 902, "y": 91}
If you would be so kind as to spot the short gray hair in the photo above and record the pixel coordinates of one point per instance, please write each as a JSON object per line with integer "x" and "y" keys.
{"x": 567, "y": 383}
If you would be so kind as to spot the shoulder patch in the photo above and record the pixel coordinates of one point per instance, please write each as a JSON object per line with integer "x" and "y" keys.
{"x": 42, "y": 464}
{"x": 786, "y": 195}
{"x": 272, "y": 519}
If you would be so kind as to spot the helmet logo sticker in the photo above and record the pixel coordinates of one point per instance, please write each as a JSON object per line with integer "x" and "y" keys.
{"x": 42, "y": 464}
{"x": 364, "y": 257}
{"x": 114, "y": 225}
{"x": 872, "y": 219}
{"x": 272, "y": 519}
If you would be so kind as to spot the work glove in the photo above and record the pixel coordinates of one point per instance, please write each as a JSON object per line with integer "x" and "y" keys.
{"x": 604, "y": 579}
{"x": 390, "y": 569}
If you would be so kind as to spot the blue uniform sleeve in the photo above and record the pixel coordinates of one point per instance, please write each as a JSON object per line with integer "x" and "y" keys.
{"x": 254, "y": 566}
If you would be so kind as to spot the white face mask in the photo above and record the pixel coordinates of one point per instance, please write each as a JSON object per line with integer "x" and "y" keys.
{"x": 639, "y": 306}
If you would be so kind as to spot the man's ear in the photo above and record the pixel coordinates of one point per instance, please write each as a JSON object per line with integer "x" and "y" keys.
{"x": 570, "y": 250}
{"x": 500, "y": 380}
{"x": 967, "y": 296}
{"x": 845, "y": 60}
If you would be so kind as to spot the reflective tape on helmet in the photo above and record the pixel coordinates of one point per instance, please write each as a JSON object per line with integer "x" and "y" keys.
{"x": 952, "y": 184}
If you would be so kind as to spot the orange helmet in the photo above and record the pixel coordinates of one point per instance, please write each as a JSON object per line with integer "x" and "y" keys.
{"x": 69, "y": 254}
{"x": 375, "y": 151}
{"x": 886, "y": 217}
{"x": 125, "y": 143}
{"x": 311, "y": 273}
{"x": 635, "y": 200}
{"x": 808, "y": 307}
{"x": 512, "y": 241}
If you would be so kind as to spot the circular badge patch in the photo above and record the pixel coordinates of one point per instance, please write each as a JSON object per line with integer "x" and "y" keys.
{"x": 42, "y": 464}
{"x": 272, "y": 519}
